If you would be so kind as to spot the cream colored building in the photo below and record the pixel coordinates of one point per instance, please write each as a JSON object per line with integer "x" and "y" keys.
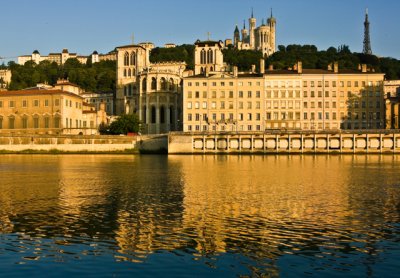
{"x": 152, "y": 91}
{"x": 392, "y": 103}
{"x": 295, "y": 99}
{"x": 61, "y": 58}
{"x": 5, "y": 78}
{"x": 44, "y": 111}
{"x": 262, "y": 38}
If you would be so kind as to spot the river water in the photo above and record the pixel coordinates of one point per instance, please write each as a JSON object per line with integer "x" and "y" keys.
{"x": 197, "y": 216}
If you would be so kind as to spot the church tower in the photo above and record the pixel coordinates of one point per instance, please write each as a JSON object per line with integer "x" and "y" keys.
{"x": 244, "y": 32}
{"x": 236, "y": 36}
{"x": 252, "y": 28}
{"x": 272, "y": 33}
{"x": 208, "y": 57}
{"x": 367, "y": 42}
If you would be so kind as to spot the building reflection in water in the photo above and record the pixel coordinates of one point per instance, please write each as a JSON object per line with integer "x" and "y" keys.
{"x": 264, "y": 208}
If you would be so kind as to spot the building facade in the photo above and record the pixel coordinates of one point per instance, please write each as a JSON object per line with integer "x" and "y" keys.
{"x": 261, "y": 38}
{"x": 152, "y": 91}
{"x": 5, "y": 78}
{"x": 392, "y": 103}
{"x": 295, "y": 99}
{"x": 47, "y": 112}
{"x": 61, "y": 58}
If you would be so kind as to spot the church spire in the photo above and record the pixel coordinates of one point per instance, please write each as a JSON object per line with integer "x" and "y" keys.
{"x": 367, "y": 41}
{"x": 244, "y": 24}
{"x": 252, "y": 14}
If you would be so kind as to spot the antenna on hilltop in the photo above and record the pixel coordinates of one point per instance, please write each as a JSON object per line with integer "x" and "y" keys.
{"x": 367, "y": 40}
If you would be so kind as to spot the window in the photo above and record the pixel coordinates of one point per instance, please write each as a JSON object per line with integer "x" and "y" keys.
{"x": 241, "y": 94}
{"x": 36, "y": 122}
{"x": 204, "y": 94}
{"x": 189, "y": 94}
{"x": 249, "y": 94}
{"x": 305, "y": 115}
{"x": 57, "y": 122}
{"x": 189, "y": 117}
{"x": 189, "y": 105}
{"x": 11, "y": 122}
{"x": 230, "y": 94}
{"x": 46, "y": 122}
{"x": 326, "y": 83}
{"x": 1, "y": 103}
{"x": 197, "y": 94}
{"x": 24, "y": 103}
{"x": 25, "y": 122}
{"x": 258, "y": 94}
{"x": 11, "y": 103}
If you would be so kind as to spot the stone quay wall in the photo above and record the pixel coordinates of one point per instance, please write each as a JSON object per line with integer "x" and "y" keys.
{"x": 79, "y": 143}
{"x": 301, "y": 142}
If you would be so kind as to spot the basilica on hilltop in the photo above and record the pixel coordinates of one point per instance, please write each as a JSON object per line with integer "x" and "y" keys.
{"x": 260, "y": 38}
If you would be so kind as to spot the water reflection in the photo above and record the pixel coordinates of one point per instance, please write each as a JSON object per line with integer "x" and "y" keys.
{"x": 280, "y": 215}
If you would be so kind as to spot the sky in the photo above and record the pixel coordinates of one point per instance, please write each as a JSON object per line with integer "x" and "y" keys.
{"x": 83, "y": 26}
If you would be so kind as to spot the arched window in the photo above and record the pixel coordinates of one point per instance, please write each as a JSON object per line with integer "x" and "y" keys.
{"x": 11, "y": 122}
{"x": 57, "y": 121}
{"x": 162, "y": 115}
{"x": 171, "y": 84}
{"x": 126, "y": 59}
{"x": 211, "y": 69}
{"x": 154, "y": 83}
{"x": 203, "y": 56}
{"x": 1, "y": 122}
{"x": 124, "y": 72}
{"x": 201, "y": 70}
{"x": 210, "y": 57}
{"x": 153, "y": 115}
{"x": 133, "y": 58}
{"x": 133, "y": 72}
{"x": 144, "y": 84}
{"x": 171, "y": 114}
{"x": 163, "y": 84}
{"x": 129, "y": 72}
{"x": 125, "y": 91}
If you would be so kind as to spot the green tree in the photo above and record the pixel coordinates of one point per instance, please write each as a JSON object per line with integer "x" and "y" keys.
{"x": 125, "y": 124}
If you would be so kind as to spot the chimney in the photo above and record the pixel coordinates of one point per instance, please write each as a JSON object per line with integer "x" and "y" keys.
{"x": 363, "y": 68}
{"x": 262, "y": 66}
{"x": 253, "y": 68}
{"x": 271, "y": 67}
{"x": 336, "y": 67}
{"x": 299, "y": 67}
{"x": 235, "y": 71}
{"x": 330, "y": 67}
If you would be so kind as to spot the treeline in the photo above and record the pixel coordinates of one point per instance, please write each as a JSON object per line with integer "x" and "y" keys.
{"x": 97, "y": 77}
{"x": 312, "y": 58}
{"x": 180, "y": 53}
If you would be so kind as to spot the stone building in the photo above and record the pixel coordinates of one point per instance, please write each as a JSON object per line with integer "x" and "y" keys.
{"x": 41, "y": 111}
{"x": 152, "y": 91}
{"x": 293, "y": 99}
{"x": 5, "y": 78}
{"x": 61, "y": 58}
{"x": 262, "y": 38}
{"x": 392, "y": 103}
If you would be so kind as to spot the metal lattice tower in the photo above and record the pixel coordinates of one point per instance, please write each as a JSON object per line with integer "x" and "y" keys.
{"x": 367, "y": 41}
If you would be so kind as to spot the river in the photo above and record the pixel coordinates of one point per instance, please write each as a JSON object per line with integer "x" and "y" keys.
{"x": 202, "y": 216}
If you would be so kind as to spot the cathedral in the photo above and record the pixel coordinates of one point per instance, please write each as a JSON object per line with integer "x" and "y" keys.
{"x": 260, "y": 38}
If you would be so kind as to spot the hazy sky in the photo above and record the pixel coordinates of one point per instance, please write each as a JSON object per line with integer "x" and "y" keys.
{"x": 86, "y": 25}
